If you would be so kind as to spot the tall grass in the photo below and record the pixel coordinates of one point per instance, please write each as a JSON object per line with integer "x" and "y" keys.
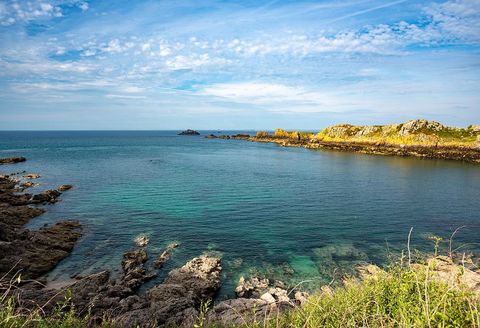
{"x": 401, "y": 296}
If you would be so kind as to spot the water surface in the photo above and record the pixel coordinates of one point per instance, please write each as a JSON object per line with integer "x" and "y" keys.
{"x": 295, "y": 214}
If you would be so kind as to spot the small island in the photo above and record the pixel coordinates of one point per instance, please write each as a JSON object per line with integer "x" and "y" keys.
{"x": 189, "y": 132}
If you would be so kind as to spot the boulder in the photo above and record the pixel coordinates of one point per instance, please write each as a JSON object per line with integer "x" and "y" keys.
{"x": 49, "y": 196}
{"x": 142, "y": 241}
{"x": 252, "y": 288}
{"x": 165, "y": 255}
{"x": 32, "y": 176}
{"x": 65, "y": 187}
{"x": 415, "y": 126}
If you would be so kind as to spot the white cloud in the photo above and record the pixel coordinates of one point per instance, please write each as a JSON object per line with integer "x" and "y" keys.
{"x": 278, "y": 97}
{"x": 119, "y": 96}
{"x": 457, "y": 18}
{"x": 114, "y": 46}
{"x": 83, "y": 6}
{"x": 14, "y": 12}
{"x": 193, "y": 61}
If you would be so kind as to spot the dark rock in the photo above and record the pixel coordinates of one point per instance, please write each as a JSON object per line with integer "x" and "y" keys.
{"x": 165, "y": 255}
{"x": 134, "y": 272}
{"x": 175, "y": 301}
{"x": 243, "y": 311}
{"x": 35, "y": 253}
{"x": 189, "y": 132}
{"x": 12, "y": 160}
{"x": 65, "y": 187}
{"x": 49, "y": 196}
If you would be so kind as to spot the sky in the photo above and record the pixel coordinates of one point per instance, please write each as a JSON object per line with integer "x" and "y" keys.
{"x": 211, "y": 64}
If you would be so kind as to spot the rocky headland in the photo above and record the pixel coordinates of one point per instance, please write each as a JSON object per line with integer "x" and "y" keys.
{"x": 417, "y": 138}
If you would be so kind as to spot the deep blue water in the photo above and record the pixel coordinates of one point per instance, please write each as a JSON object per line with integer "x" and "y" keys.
{"x": 292, "y": 213}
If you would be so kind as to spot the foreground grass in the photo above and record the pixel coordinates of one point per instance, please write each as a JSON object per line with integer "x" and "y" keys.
{"x": 401, "y": 296}
{"x": 410, "y": 296}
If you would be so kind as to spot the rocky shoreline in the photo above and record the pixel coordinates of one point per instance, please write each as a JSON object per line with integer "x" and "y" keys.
{"x": 26, "y": 256}
{"x": 424, "y": 137}
{"x": 180, "y": 300}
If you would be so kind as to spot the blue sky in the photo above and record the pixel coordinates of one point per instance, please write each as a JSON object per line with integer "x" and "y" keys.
{"x": 68, "y": 64}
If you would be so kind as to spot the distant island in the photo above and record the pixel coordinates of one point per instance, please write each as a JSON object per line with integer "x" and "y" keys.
{"x": 420, "y": 138}
{"x": 189, "y": 132}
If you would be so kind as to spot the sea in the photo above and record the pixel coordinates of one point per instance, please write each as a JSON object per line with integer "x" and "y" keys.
{"x": 306, "y": 217}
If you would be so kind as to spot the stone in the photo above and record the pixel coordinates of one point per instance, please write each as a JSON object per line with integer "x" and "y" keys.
{"x": 165, "y": 255}
{"x": 415, "y": 126}
{"x": 301, "y": 297}
{"x": 49, "y": 196}
{"x": 32, "y": 176}
{"x": 267, "y": 297}
{"x": 12, "y": 160}
{"x": 65, "y": 187}
{"x": 142, "y": 241}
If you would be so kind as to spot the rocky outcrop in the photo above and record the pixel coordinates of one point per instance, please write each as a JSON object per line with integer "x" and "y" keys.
{"x": 31, "y": 253}
{"x": 160, "y": 261}
{"x": 134, "y": 272}
{"x": 177, "y": 299}
{"x": 416, "y": 126}
{"x": 442, "y": 268}
{"x": 415, "y": 138}
{"x": 49, "y": 196}
{"x": 189, "y": 132}
{"x": 12, "y": 160}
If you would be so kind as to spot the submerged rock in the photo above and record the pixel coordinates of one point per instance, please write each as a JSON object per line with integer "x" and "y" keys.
{"x": 142, "y": 241}
{"x": 165, "y": 255}
{"x": 65, "y": 187}
{"x": 32, "y": 176}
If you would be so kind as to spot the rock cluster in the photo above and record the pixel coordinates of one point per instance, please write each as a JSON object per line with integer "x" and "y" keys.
{"x": 31, "y": 253}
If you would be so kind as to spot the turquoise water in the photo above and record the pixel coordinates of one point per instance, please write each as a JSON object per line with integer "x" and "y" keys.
{"x": 295, "y": 214}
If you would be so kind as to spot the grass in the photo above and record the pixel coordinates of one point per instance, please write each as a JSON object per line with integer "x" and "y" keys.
{"x": 402, "y": 295}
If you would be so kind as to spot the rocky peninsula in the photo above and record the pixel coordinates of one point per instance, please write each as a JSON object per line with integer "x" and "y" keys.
{"x": 416, "y": 138}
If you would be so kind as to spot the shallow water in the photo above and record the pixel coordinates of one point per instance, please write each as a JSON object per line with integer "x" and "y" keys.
{"x": 295, "y": 214}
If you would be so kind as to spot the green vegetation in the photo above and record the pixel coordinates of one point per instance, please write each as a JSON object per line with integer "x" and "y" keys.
{"x": 435, "y": 293}
{"x": 416, "y": 132}
{"x": 62, "y": 317}
{"x": 401, "y": 296}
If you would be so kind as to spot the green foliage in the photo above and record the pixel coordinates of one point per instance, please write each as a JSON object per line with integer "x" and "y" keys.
{"x": 399, "y": 297}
